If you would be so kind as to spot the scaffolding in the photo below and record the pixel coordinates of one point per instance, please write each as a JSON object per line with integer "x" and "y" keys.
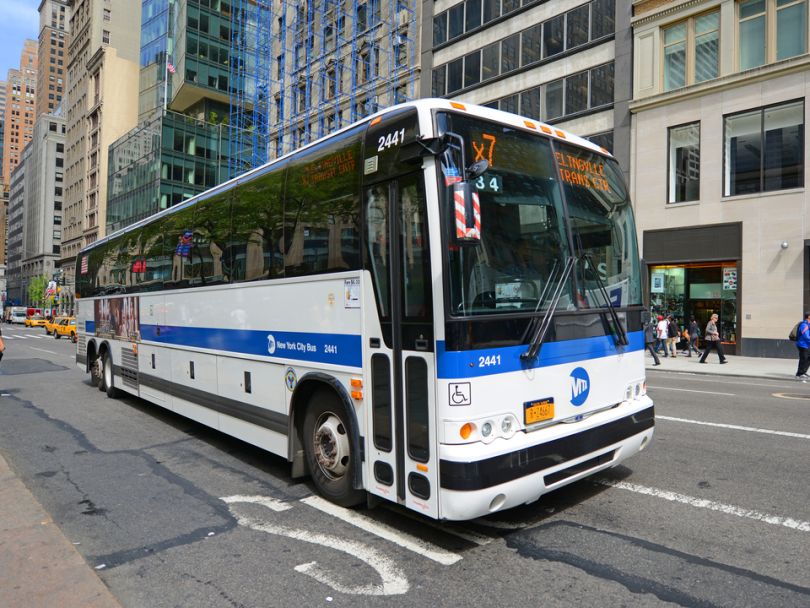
{"x": 302, "y": 69}
{"x": 251, "y": 22}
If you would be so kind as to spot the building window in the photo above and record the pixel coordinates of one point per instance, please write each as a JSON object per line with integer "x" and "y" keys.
{"x": 105, "y": 37}
{"x": 684, "y": 163}
{"x": 771, "y": 30}
{"x": 691, "y": 51}
{"x": 472, "y": 69}
{"x": 791, "y": 28}
{"x": 763, "y": 149}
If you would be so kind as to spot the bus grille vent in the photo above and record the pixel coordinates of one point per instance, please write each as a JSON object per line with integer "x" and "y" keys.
{"x": 81, "y": 345}
{"x": 129, "y": 367}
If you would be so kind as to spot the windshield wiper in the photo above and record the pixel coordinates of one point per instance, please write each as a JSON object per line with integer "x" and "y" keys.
{"x": 542, "y": 329}
{"x": 617, "y": 329}
{"x": 552, "y": 277}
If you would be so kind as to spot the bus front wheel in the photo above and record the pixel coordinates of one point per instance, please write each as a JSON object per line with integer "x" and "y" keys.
{"x": 328, "y": 448}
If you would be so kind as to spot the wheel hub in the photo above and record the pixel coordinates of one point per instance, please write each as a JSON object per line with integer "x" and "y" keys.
{"x": 331, "y": 446}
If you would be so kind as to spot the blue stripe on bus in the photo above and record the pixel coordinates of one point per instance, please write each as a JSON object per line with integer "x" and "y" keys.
{"x": 336, "y": 349}
{"x": 490, "y": 361}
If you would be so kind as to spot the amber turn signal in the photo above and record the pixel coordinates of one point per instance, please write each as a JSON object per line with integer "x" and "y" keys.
{"x": 466, "y": 430}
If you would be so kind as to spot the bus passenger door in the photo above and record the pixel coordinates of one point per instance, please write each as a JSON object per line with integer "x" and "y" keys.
{"x": 401, "y": 454}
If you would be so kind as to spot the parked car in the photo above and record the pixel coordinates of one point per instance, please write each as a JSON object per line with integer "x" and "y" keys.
{"x": 66, "y": 328}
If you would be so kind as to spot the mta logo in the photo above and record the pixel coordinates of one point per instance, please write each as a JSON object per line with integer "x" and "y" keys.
{"x": 271, "y": 344}
{"x": 580, "y": 386}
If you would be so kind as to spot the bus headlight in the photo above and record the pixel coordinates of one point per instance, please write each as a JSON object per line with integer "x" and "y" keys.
{"x": 508, "y": 426}
{"x": 486, "y": 431}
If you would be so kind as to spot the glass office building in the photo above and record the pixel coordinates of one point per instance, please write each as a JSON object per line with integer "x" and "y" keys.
{"x": 180, "y": 148}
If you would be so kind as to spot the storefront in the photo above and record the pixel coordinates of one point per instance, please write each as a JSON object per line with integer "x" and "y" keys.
{"x": 699, "y": 290}
{"x": 696, "y": 271}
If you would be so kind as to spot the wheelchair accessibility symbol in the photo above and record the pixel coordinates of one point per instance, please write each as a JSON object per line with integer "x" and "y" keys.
{"x": 460, "y": 393}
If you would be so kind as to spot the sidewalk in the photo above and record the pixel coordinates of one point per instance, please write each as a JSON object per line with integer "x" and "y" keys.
{"x": 752, "y": 367}
{"x": 39, "y": 567}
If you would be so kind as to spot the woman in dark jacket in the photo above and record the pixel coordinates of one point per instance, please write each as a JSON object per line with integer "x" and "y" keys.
{"x": 650, "y": 339}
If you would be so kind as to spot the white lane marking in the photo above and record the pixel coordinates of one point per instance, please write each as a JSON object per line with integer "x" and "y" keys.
{"x": 693, "y": 377}
{"x": 788, "y": 396}
{"x": 464, "y": 534}
{"x": 43, "y": 350}
{"x": 406, "y": 541}
{"x": 271, "y": 503}
{"x": 37, "y": 337}
{"x": 688, "y": 390}
{"x": 393, "y": 580}
{"x": 735, "y": 427}
{"x": 702, "y": 503}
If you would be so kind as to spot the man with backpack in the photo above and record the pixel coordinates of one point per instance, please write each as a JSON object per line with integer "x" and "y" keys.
{"x": 803, "y": 345}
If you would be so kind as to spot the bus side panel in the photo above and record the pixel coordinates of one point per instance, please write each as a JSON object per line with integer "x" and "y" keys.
{"x": 261, "y": 385}
{"x": 197, "y": 372}
{"x": 154, "y": 362}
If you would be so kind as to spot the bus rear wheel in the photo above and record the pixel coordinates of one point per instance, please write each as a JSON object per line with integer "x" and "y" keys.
{"x": 95, "y": 371}
{"x": 108, "y": 381}
{"x": 328, "y": 448}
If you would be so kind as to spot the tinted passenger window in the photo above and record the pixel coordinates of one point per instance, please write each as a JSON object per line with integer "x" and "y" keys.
{"x": 255, "y": 248}
{"x": 322, "y": 211}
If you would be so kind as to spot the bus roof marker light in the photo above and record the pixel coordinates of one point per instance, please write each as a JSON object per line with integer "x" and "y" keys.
{"x": 559, "y": 133}
{"x": 529, "y": 124}
{"x": 458, "y": 106}
{"x": 375, "y": 121}
{"x": 546, "y": 129}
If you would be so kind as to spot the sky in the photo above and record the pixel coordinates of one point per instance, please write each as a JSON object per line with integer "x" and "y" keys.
{"x": 18, "y": 20}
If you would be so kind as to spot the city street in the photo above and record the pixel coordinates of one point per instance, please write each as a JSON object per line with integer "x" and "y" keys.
{"x": 170, "y": 513}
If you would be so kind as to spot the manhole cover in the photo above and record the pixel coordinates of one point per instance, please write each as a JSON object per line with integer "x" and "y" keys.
{"x": 792, "y": 396}
{"x": 14, "y": 367}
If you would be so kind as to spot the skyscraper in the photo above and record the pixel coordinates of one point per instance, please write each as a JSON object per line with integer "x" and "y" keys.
{"x": 54, "y": 22}
{"x": 101, "y": 105}
{"x": 18, "y": 125}
{"x": 180, "y": 148}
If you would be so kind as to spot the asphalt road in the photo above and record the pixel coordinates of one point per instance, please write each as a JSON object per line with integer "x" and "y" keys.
{"x": 170, "y": 513}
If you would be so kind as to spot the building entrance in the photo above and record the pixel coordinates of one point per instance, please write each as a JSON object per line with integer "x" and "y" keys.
{"x": 699, "y": 290}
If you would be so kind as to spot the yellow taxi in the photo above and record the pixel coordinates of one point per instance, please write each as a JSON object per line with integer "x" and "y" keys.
{"x": 52, "y": 323}
{"x": 66, "y": 328}
{"x": 35, "y": 321}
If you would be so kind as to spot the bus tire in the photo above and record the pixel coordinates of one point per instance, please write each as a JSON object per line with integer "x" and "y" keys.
{"x": 109, "y": 378}
{"x": 327, "y": 445}
{"x": 95, "y": 371}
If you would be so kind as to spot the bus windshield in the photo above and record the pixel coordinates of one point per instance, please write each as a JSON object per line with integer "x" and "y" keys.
{"x": 524, "y": 238}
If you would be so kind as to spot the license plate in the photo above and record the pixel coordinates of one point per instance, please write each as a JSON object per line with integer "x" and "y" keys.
{"x": 538, "y": 411}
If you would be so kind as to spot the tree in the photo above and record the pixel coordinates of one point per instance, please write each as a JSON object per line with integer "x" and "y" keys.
{"x": 36, "y": 290}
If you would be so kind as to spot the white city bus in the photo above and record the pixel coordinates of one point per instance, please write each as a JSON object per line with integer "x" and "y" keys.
{"x": 439, "y": 306}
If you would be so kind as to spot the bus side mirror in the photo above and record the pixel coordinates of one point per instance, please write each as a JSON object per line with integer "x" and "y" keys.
{"x": 467, "y": 209}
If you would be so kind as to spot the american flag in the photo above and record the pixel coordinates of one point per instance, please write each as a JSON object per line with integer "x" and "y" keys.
{"x": 84, "y": 265}
{"x": 170, "y": 67}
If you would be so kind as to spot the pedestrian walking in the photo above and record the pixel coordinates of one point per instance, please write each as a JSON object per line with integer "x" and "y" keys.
{"x": 672, "y": 336}
{"x": 662, "y": 333}
{"x": 712, "y": 339}
{"x": 650, "y": 339}
{"x": 2, "y": 346}
{"x": 694, "y": 334}
{"x": 803, "y": 345}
